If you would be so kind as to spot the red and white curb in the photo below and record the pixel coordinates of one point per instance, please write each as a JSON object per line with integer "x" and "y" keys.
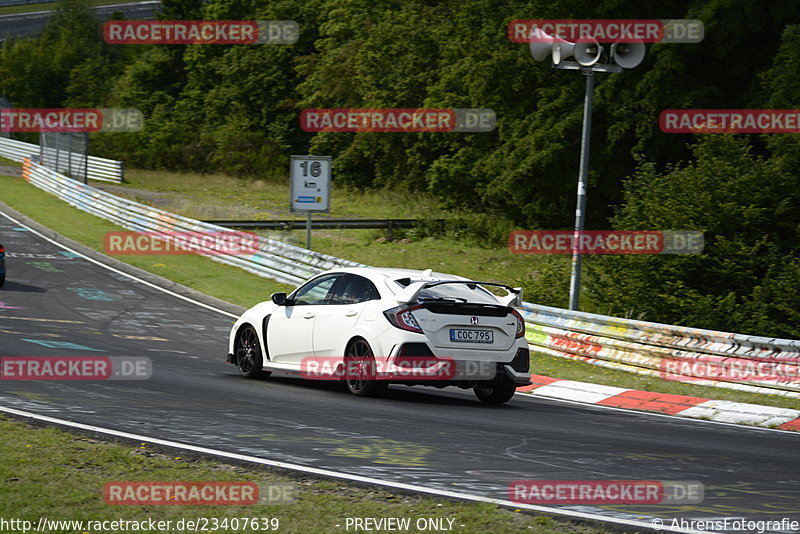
{"x": 680, "y": 405}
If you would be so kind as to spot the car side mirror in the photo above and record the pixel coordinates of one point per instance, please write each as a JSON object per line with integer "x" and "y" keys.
{"x": 280, "y": 299}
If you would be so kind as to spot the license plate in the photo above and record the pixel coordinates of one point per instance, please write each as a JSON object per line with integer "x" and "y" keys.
{"x": 462, "y": 335}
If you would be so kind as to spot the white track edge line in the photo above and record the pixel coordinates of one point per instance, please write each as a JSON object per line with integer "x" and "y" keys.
{"x": 131, "y": 276}
{"x": 329, "y": 473}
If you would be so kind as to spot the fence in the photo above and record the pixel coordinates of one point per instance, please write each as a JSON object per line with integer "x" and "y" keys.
{"x": 638, "y": 346}
{"x": 106, "y": 170}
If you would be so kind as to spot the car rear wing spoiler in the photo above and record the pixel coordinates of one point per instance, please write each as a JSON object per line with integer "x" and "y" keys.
{"x": 512, "y": 298}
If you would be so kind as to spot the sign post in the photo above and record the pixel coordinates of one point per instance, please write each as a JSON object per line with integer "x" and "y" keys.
{"x": 310, "y": 178}
{"x": 4, "y": 104}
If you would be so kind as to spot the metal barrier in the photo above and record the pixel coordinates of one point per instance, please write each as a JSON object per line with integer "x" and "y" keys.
{"x": 286, "y": 225}
{"x": 637, "y": 346}
{"x": 17, "y": 150}
{"x": 745, "y": 363}
{"x": 106, "y": 170}
{"x": 102, "y": 169}
{"x": 274, "y": 259}
{"x": 320, "y": 224}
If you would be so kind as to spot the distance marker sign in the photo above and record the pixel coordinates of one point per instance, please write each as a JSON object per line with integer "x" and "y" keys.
{"x": 310, "y": 183}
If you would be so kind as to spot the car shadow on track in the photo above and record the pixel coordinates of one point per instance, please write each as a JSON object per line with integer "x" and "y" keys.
{"x": 396, "y": 393}
{"x": 23, "y": 288}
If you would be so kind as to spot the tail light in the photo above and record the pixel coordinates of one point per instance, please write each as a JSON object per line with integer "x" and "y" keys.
{"x": 401, "y": 317}
{"x": 520, "y": 324}
{"x": 1, "y": 248}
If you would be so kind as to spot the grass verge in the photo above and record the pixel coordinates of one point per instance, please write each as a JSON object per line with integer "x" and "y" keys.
{"x": 216, "y": 196}
{"x": 52, "y": 473}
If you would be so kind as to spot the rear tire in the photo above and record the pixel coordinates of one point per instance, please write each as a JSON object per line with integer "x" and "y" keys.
{"x": 494, "y": 393}
{"x": 360, "y": 369}
{"x": 248, "y": 354}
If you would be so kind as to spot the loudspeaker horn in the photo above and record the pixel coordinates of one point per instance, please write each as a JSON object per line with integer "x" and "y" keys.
{"x": 562, "y": 51}
{"x": 627, "y": 55}
{"x": 587, "y": 53}
{"x": 541, "y": 44}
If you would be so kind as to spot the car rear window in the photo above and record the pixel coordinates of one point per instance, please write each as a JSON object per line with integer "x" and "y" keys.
{"x": 461, "y": 292}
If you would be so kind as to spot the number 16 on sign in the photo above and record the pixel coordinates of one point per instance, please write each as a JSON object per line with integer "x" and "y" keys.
{"x": 310, "y": 178}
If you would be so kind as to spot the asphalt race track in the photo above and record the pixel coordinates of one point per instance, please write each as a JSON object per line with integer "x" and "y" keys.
{"x": 57, "y": 303}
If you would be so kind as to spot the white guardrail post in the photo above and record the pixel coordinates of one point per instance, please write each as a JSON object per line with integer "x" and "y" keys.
{"x": 637, "y": 346}
{"x": 107, "y": 170}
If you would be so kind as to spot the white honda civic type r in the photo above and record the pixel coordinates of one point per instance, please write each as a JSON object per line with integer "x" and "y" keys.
{"x": 370, "y": 327}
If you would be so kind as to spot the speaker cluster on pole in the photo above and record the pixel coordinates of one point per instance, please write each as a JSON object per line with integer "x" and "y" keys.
{"x": 585, "y": 52}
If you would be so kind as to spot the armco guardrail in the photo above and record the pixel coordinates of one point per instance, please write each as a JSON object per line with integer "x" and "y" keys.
{"x": 746, "y": 363}
{"x": 274, "y": 259}
{"x": 106, "y": 170}
{"x": 636, "y": 346}
{"x": 300, "y": 224}
{"x": 17, "y": 150}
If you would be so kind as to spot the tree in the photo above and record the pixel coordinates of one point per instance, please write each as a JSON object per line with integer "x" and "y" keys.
{"x": 746, "y": 206}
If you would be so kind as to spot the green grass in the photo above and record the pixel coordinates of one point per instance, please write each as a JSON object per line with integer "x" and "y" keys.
{"x": 365, "y": 246}
{"x": 52, "y": 473}
{"x": 48, "y": 6}
{"x": 209, "y": 197}
{"x": 269, "y": 200}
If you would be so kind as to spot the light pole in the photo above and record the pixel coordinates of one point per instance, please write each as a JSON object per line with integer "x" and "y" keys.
{"x": 583, "y": 182}
{"x": 588, "y": 56}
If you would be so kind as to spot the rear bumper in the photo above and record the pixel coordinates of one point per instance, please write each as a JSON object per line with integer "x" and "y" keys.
{"x": 518, "y": 378}
{"x": 403, "y": 367}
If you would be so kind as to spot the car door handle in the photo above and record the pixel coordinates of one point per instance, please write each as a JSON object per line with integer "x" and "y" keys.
{"x": 308, "y": 315}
